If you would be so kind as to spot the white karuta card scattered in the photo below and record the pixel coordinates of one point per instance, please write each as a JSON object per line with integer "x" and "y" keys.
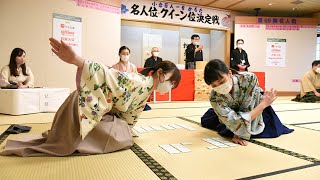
{"x": 215, "y": 143}
{"x": 167, "y": 127}
{"x": 224, "y": 142}
{"x": 157, "y": 128}
{"x": 175, "y": 126}
{"x": 170, "y": 149}
{"x": 231, "y": 144}
{"x": 147, "y": 128}
{"x": 213, "y": 147}
{"x": 139, "y": 129}
{"x": 186, "y": 143}
{"x": 181, "y": 148}
{"x": 187, "y": 127}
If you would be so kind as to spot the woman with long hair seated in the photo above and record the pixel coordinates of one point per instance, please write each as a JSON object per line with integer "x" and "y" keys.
{"x": 17, "y": 74}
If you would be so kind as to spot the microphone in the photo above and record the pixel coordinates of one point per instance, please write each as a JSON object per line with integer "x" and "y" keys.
{"x": 197, "y": 47}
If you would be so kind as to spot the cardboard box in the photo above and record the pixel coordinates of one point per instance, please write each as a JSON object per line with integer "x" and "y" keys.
{"x": 202, "y": 95}
{"x": 201, "y": 65}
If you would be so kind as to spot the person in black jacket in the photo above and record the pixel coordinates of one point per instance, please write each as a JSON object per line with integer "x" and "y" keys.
{"x": 239, "y": 58}
{"x": 154, "y": 59}
{"x": 193, "y": 52}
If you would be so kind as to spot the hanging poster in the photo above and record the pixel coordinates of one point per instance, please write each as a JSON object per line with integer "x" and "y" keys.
{"x": 276, "y": 52}
{"x": 68, "y": 29}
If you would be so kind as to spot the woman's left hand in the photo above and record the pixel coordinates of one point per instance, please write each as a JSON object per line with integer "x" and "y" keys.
{"x": 269, "y": 97}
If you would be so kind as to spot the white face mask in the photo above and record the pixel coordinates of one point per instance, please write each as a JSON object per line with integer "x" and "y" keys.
{"x": 165, "y": 86}
{"x": 156, "y": 54}
{"x": 240, "y": 46}
{"x": 318, "y": 70}
{"x": 124, "y": 57}
{"x": 196, "y": 43}
{"x": 224, "y": 88}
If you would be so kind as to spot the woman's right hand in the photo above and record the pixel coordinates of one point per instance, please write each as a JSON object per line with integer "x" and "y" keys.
{"x": 269, "y": 97}
{"x": 236, "y": 139}
{"x": 65, "y": 53}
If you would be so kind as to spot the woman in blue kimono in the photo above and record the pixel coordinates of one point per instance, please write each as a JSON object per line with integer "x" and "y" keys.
{"x": 239, "y": 109}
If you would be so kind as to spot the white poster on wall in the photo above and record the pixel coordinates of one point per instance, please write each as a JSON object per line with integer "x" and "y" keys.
{"x": 184, "y": 42}
{"x": 148, "y": 42}
{"x": 68, "y": 29}
{"x": 276, "y": 52}
{"x": 175, "y": 13}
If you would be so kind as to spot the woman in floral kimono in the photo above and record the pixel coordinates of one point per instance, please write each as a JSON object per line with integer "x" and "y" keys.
{"x": 239, "y": 109}
{"x": 96, "y": 118}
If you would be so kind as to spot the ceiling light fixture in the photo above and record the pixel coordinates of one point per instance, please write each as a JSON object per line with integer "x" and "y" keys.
{"x": 296, "y": 2}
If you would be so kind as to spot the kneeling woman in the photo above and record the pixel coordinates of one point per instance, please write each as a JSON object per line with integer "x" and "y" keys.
{"x": 240, "y": 111}
{"x": 97, "y": 117}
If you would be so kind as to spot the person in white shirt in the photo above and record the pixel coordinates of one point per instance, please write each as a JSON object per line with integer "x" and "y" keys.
{"x": 17, "y": 73}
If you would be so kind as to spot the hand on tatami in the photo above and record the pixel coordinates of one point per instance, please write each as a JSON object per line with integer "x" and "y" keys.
{"x": 236, "y": 139}
{"x": 65, "y": 53}
{"x": 269, "y": 97}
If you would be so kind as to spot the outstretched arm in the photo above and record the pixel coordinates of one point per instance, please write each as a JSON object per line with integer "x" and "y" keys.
{"x": 66, "y": 53}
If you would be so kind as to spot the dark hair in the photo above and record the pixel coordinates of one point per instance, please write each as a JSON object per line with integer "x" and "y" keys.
{"x": 240, "y": 40}
{"x": 123, "y": 48}
{"x": 315, "y": 63}
{"x": 214, "y": 70}
{"x": 195, "y": 36}
{"x": 166, "y": 66}
{"x": 17, "y": 52}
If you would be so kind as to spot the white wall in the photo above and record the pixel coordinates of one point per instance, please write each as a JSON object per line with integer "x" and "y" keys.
{"x": 300, "y": 53}
{"x": 28, "y": 24}
{"x": 132, "y": 37}
{"x": 217, "y": 49}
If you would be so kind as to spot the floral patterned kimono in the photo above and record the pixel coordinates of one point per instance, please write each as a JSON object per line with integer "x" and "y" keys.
{"x": 231, "y": 112}
{"x": 104, "y": 89}
{"x": 234, "y": 110}
{"x": 94, "y": 119}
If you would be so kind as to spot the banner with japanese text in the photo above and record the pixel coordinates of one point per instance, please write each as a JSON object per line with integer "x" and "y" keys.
{"x": 276, "y": 52}
{"x": 68, "y": 29}
{"x": 174, "y": 13}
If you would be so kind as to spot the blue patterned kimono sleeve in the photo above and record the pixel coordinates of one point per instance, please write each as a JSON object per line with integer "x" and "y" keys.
{"x": 228, "y": 116}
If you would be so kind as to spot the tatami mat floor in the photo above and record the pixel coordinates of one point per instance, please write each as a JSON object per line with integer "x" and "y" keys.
{"x": 292, "y": 156}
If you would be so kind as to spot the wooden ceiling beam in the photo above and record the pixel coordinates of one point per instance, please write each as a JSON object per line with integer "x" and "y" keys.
{"x": 211, "y": 2}
{"x": 235, "y": 3}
